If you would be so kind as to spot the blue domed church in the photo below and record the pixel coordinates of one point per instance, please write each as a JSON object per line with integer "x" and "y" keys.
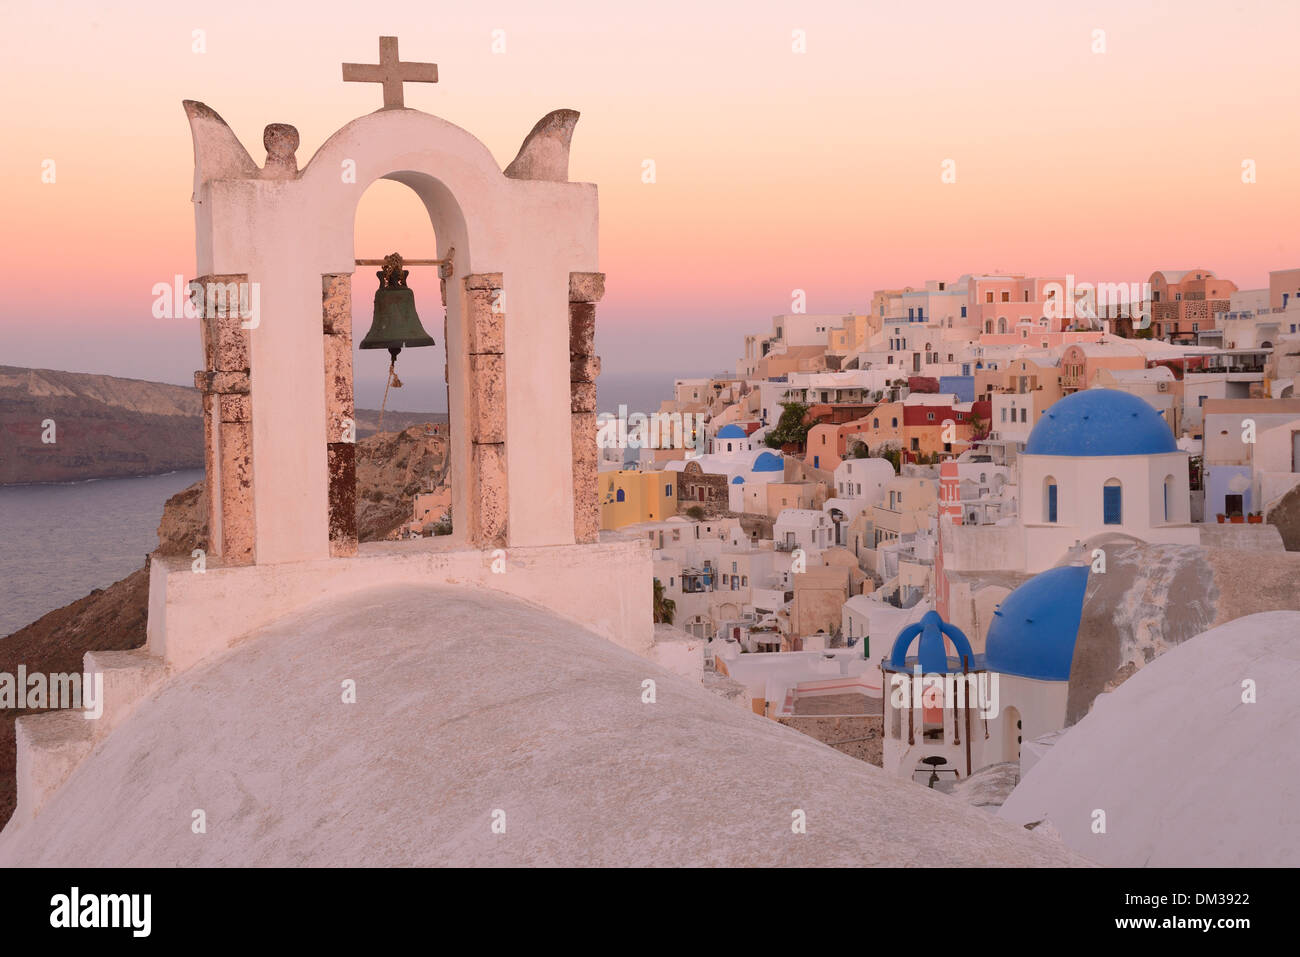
{"x": 1100, "y": 462}
{"x": 1016, "y": 690}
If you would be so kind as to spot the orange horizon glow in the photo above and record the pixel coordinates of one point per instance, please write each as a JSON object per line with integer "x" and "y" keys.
{"x": 775, "y": 170}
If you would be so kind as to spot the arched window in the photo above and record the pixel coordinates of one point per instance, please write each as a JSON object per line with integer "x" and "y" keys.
{"x": 1049, "y": 499}
{"x": 620, "y": 496}
{"x": 1169, "y": 498}
{"x": 1112, "y": 503}
{"x": 1002, "y": 324}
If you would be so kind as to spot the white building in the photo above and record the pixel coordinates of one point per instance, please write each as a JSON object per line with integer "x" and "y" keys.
{"x": 1101, "y": 461}
{"x": 803, "y": 528}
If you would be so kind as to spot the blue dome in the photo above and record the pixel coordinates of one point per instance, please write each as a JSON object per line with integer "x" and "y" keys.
{"x": 738, "y": 480}
{"x": 767, "y": 462}
{"x": 1034, "y": 629}
{"x": 730, "y": 432}
{"x": 930, "y": 651}
{"x": 1101, "y": 422}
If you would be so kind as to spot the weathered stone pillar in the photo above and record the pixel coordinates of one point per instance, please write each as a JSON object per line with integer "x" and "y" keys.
{"x": 585, "y": 290}
{"x": 340, "y": 414}
{"x": 488, "y": 505}
{"x": 227, "y": 416}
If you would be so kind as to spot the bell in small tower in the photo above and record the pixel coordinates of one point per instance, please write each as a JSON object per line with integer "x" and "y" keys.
{"x": 395, "y": 324}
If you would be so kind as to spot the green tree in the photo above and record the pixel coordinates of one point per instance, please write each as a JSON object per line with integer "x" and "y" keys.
{"x": 791, "y": 429}
{"x": 665, "y": 608}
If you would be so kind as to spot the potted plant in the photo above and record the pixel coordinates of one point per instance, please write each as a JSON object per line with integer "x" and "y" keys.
{"x": 1256, "y": 518}
{"x": 1237, "y": 518}
{"x": 1222, "y": 518}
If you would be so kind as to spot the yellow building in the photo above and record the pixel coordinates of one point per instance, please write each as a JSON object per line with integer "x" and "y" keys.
{"x": 629, "y": 496}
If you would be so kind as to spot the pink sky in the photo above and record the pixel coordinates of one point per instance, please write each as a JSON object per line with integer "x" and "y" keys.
{"x": 775, "y": 170}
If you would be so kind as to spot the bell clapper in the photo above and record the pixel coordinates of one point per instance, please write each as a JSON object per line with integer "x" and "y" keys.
{"x": 393, "y": 382}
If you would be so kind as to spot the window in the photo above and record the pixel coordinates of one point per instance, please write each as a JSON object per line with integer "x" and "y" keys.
{"x": 1169, "y": 497}
{"x": 1024, "y": 415}
{"x": 1049, "y": 499}
{"x": 1004, "y": 414}
{"x": 1006, "y": 297}
{"x": 619, "y": 497}
{"x": 916, "y": 445}
{"x": 668, "y": 491}
{"x": 929, "y": 416}
{"x": 988, "y": 297}
{"x": 894, "y": 422}
{"x": 963, "y": 312}
{"x": 1112, "y": 503}
{"x": 875, "y": 423}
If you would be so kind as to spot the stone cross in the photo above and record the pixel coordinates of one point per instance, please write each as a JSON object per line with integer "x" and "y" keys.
{"x": 391, "y": 72}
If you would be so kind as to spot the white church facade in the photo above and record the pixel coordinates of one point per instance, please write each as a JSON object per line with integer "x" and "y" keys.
{"x": 1101, "y": 462}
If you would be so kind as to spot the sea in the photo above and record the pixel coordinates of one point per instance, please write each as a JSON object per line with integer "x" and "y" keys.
{"x": 60, "y": 541}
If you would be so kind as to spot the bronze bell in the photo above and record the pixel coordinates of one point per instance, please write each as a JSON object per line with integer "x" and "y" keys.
{"x": 395, "y": 324}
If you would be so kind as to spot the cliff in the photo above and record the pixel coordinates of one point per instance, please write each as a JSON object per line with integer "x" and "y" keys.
{"x": 109, "y": 427}
{"x": 103, "y": 426}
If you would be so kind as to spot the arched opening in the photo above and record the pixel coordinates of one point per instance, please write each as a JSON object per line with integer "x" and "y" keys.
{"x": 1050, "y": 500}
{"x": 1002, "y": 324}
{"x": 394, "y": 215}
{"x": 620, "y": 496}
{"x": 1112, "y": 502}
{"x": 1169, "y": 498}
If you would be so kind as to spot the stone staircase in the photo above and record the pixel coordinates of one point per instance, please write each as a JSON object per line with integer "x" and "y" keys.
{"x": 50, "y": 746}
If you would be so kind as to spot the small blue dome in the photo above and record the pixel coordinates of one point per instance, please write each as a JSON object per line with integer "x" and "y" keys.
{"x": 767, "y": 462}
{"x": 1101, "y": 422}
{"x": 1034, "y": 629}
{"x": 930, "y": 651}
{"x": 730, "y": 432}
{"x": 738, "y": 480}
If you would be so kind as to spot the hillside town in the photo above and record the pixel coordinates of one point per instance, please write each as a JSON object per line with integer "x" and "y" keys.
{"x": 953, "y": 465}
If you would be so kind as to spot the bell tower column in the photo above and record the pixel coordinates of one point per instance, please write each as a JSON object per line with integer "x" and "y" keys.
{"x": 340, "y": 414}
{"x": 585, "y": 290}
{"x": 488, "y": 504}
{"x": 227, "y": 416}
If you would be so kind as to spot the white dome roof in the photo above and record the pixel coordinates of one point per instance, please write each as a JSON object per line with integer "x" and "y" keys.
{"x": 470, "y": 701}
{"x": 1188, "y": 775}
